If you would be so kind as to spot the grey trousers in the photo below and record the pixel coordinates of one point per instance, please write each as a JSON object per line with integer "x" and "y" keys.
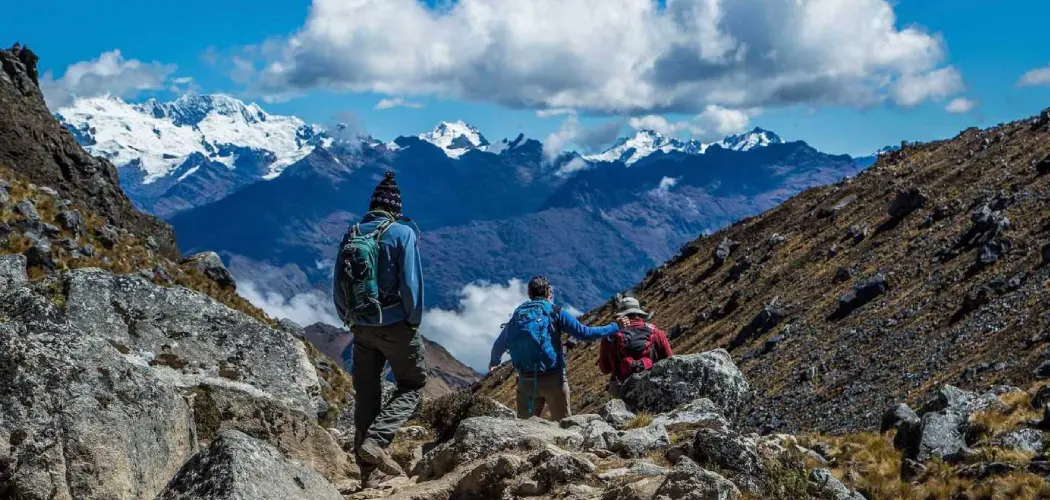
{"x": 373, "y": 347}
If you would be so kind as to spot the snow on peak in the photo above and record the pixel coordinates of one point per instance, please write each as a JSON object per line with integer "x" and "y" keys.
{"x": 159, "y": 136}
{"x": 642, "y": 144}
{"x": 455, "y": 138}
{"x": 754, "y": 139}
{"x": 645, "y": 142}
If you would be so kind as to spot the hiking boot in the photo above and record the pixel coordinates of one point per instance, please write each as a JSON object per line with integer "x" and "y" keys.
{"x": 374, "y": 454}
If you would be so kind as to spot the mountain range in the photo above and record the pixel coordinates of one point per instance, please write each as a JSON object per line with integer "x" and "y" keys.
{"x": 274, "y": 195}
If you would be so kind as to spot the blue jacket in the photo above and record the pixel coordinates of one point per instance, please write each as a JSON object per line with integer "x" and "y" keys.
{"x": 400, "y": 274}
{"x": 564, "y": 323}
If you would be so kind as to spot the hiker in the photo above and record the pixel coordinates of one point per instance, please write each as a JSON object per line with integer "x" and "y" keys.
{"x": 633, "y": 349}
{"x": 378, "y": 291}
{"x": 533, "y": 337}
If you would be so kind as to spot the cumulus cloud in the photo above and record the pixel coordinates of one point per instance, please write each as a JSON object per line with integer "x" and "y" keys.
{"x": 305, "y": 308}
{"x": 657, "y": 124}
{"x": 1035, "y": 77}
{"x": 573, "y": 134}
{"x": 572, "y": 166}
{"x": 397, "y": 102}
{"x": 469, "y": 331}
{"x": 960, "y": 105}
{"x": 110, "y": 74}
{"x": 914, "y": 89}
{"x": 613, "y": 56}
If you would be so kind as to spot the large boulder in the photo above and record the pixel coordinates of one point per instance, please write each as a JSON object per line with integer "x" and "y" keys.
{"x": 77, "y": 418}
{"x": 824, "y": 485}
{"x": 1023, "y": 440}
{"x": 489, "y": 479}
{"x": 191, "y": 339}
{"x": 238, "y": 467}
{"x": 682, "y": 379}
{"x": 480, "y": 437}
{"x": 728, "y": 451}
{"x": 941, "y": 434}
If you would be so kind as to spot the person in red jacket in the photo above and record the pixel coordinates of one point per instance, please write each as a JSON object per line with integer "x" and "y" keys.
{"x": 633, "y": 349}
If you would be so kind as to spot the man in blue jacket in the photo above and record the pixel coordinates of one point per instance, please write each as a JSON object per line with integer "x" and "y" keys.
{"x": 549, "y": 387}
{"x": 392, "y": 336}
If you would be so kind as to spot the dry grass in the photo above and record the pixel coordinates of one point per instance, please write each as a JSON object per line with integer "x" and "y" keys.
{"x": 640, "y": 420}
{"x": 992, "y": 423}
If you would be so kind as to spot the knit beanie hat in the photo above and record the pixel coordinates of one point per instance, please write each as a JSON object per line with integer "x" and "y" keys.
{"x": 387, "y": 196}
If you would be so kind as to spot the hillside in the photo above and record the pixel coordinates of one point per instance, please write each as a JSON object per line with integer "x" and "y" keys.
{"x": 928, "y": 268}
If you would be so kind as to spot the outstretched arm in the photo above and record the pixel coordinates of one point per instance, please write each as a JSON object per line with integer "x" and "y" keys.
{"x": 569, "y": 324}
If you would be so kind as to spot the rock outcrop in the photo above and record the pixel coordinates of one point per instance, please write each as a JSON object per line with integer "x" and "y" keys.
{"x": 34, "y": 144}
{"x": 683, "y": 379}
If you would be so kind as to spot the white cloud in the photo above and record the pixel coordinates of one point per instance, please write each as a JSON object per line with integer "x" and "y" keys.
{"x": 109, "y": 74}
{"x": 611, "y": 56}
{"x": 572, "y": 166}
{"x": 397, "y": 102}
{"x": 469, "y": 331}
{"x": 305, "y": 308}
{"x": 714, "y": 123}
{"x": 913, "y": 89}
{"x": 1035, "y": 77}
{"x": 960, "y": 105}
{"x": 665, "y": 186}
{"x": 548, "y": 113}
{"x": 657, "y": 124}
{"x": 572, "y": 133}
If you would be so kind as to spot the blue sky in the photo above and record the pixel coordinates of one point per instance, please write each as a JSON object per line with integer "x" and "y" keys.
{"x": 990, "y": 45}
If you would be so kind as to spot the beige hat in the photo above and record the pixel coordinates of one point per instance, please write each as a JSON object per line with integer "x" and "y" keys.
{"x": 630, "y": 305}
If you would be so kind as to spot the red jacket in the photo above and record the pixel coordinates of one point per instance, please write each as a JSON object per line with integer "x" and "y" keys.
{"x": 661, "y": 348}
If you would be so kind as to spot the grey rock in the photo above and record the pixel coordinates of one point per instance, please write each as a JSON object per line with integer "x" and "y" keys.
{"x": 27, "y": 209}
{"x": 39, "y": 254}
{"x": 901, "y": 418}
{"x": 72, "y": 221}
{"x": 858, "y": 232}
{"x": 615, "y": 412}
{"x": 161, "y": 273}
{"x": 78, "y": 419}
{"x": 50, "y": 191}
{"x": 50, "y": 230}
{"x": 728, "y": 451}
{"x": 209, "y": 264}
{"x": 724, "y": 249}
{"x": 581, "y": 420}
{"x": 238, "y": 467}
{"x": 530, "y": 488}
{"x": 690, "y": 482}
{"x": 823, "y": 484}
{"x": 636, "y": 443}
{"x": 489, "y": 479}
{"x": 12, "y": 272}
{"x": 190, "y": 337}
{"x": 941, "y": 434}
{"x": 5, "y": 197}
{"x": 862, "y": 293}
{"x": 697, "y": 411}
{"x": 1041, "y": 397}
{"x": 86, "y": 250}
{"x": 907, "y": 201}
{"x": 640, "y": 468}
{"x": 66, "y": 203}
{"x": 108, "y": 236}
{"x": 292, "y": 327}
{"x": 479, "y": 437}
{"x": 683, "y": 379}
{"x": 1023, "y": 440}
{"x": 598, "y": 436}
{"x": 1042, "y": 371}
{"x": 776, "y": 239}
{"x": 949, "y": 397}
{"x": 557, "y": 467}
{"x": 638, "y": 490}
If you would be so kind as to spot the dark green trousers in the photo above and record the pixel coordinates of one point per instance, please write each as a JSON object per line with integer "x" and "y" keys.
{"x": 373, "y": 347}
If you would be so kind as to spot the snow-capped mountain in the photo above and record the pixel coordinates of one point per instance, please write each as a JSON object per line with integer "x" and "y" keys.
{"x": 455, "y": 138}
{"x": 645, "y": 142}
{"x": 756, "y": 138}
{"x": 157, "y": 137}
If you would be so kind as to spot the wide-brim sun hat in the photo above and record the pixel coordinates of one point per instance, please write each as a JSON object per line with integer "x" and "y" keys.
{"x": 630, "y": 305}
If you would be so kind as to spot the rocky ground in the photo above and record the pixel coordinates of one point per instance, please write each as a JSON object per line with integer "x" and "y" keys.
{"x": 929, "y": 268}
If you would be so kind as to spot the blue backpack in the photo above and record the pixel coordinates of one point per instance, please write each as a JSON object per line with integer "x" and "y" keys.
{"x": 529, "y": 337}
